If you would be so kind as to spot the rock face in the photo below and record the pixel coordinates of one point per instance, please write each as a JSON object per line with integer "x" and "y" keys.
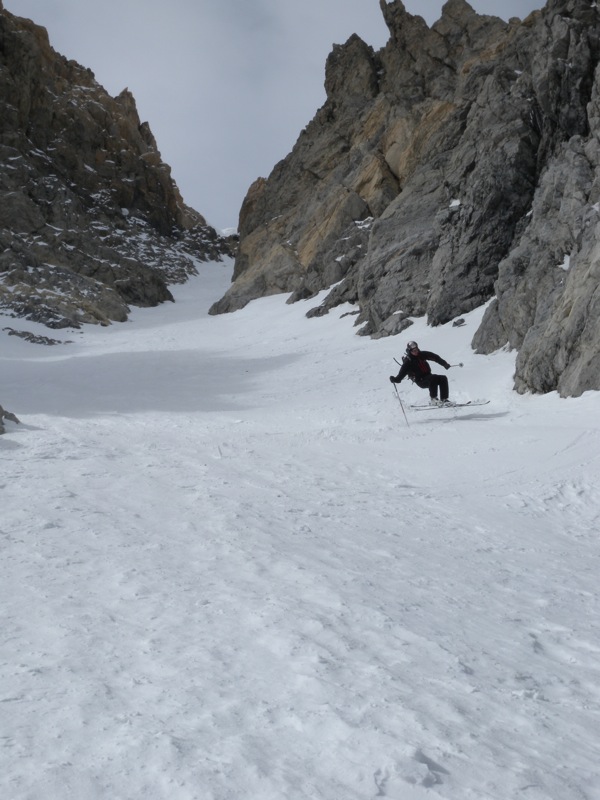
{"x": 90, "y": 219}
{"x": 457, "y": 165}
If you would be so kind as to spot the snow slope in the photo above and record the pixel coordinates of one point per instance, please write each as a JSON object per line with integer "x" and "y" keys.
{"x": 230, "y": 569}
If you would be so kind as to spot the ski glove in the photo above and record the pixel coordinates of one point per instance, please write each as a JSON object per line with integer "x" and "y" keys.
{"x": 446, "y": 365}
{"x": 393, "y": 379}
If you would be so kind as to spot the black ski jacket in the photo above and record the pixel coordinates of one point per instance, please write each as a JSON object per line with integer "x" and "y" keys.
{"x": 417, "y": 368}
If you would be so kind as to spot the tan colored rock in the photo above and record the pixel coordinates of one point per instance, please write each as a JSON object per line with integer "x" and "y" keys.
{"x": 457, "y": 164}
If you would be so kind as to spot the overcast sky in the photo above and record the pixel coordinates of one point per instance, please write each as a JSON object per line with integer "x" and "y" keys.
{"x": 226, "y": 85}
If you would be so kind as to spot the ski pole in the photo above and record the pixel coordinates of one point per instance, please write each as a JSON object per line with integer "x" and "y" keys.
{"x": 401, "y": 406}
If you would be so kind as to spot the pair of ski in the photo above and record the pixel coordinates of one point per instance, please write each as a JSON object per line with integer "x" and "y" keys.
{"x": 428, "y": 407}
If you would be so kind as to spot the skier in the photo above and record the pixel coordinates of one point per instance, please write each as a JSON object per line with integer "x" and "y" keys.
{"x": 415, "y": 366}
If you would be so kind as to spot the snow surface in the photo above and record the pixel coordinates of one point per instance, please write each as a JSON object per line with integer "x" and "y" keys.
{"x": 230, "y": 569}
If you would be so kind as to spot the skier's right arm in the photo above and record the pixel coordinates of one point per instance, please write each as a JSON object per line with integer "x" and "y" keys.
{"x": 400, "y": 375}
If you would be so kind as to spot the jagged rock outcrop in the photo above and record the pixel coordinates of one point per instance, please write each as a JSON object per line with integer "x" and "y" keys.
{"x": 4, "y": 414}
{"x": 90, "y": 218}
{"x": 461, "y": 163}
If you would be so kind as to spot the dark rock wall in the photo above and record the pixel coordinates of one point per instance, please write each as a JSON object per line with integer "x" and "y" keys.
{"x": 90, "y": 218}
{"x": 457, "y": 164}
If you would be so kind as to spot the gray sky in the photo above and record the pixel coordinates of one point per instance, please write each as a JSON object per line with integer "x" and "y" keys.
{"x": 226, "y": 85}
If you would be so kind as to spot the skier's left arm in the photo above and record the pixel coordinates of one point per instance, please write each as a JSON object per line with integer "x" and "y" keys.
{"x": 434, "y": 357}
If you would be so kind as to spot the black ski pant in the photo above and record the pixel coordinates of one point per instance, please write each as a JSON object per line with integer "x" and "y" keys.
{"x": 437, "y": 382}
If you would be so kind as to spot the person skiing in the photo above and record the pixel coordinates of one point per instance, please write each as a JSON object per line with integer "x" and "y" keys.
{"x": 415, "y": 366}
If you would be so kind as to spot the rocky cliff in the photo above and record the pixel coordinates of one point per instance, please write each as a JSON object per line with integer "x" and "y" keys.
{"x": 90, "y": 218}
{"x": 460, "y": 164}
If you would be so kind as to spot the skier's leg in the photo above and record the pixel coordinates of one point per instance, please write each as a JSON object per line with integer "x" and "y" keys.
{"x": 433, "y": 387}
{"x": 434, "y": 382}
{"x": 443, "y": 382}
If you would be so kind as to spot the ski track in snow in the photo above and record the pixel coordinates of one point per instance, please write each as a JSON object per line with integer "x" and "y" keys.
{"x": 231, "y": 570}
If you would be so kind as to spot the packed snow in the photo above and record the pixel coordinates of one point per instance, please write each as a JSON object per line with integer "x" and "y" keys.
{"x": 232, "y": 569}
